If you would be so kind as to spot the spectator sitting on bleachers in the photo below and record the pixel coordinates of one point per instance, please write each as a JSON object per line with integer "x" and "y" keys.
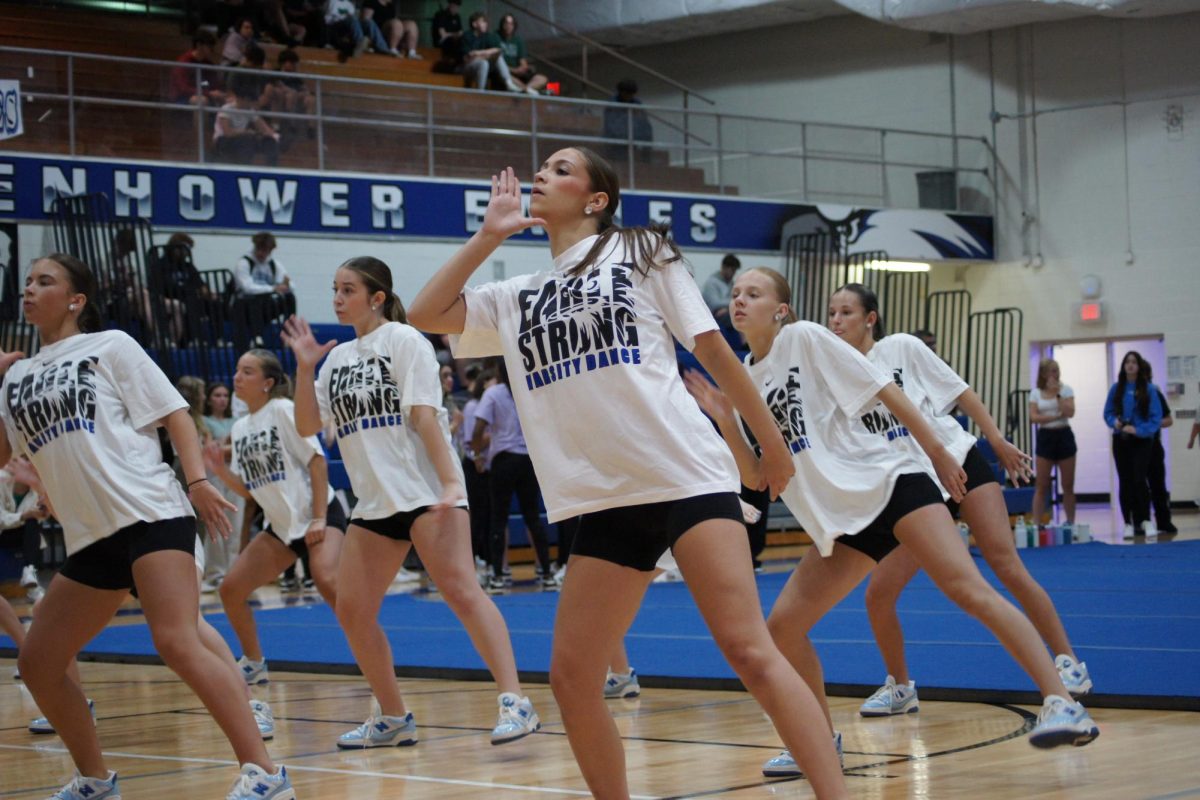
{"x": 307, "y": 16}
{"x": 399, "y": 31}
{"x": 342, "y": 21}
{"x": 239, "y": 134}
{"x": 482, "y": 54}
{"x": 275, "y": 22}
{"x": 183, "y": 86}
{"x": 263, "y": 292}
{"x": 513, "y": 48}
{"x": 448, "y": 35}
{"x": 617, "y": 122}
{"x": 254, "y": 58}
{"x": 719, "y": 286}
{"x": 126, "y": 280}
{"x": 236, "y": 41}
{"x": 290, "y": 94}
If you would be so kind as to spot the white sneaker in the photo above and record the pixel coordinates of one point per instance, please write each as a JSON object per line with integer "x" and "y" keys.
{"x": 404, "y": 576}
{"x": 42, "y": 726}
{"x": 81, "y": 788}
{"x": 517, "y": 719}
{"x": 254, "y": 671}
{"x": 1150, "y": 529}
{"x": 672, "y": 575}
{"x": 381, "y": 731}
{"x": 29, "y": 576}
{"x": 255, "y": 783}
{"x": 784, "y": 766}
{"x": 618, "y": 686}
{"x": 1128, "y": 536}
{"x": 264, "y": 718}
{"x": 891, "y": 699}
{"x": 1062, "y": 721}
{"x": 1074, "y": 675}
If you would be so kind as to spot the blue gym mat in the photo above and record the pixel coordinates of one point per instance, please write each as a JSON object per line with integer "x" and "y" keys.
{"x": 1132, "y": 612}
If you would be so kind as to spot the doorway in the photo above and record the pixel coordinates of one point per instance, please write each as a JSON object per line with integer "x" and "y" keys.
{"x": 1090, "y": 369}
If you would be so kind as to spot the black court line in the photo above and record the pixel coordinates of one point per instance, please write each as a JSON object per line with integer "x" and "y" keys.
{"x": 854, "y": 772}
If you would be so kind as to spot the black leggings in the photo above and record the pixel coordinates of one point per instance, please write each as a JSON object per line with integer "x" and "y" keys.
{"x": 479, "y": 502}
{"x": 1132, "y": 455}
{"x": 1156, "y": 473}
{"x": 513, "y": 472}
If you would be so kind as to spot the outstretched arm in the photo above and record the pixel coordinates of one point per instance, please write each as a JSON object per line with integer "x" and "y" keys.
{"x": 949, "y": 471}
{"x": 214, "y": 459}
{"x": 1017, "y": 464}
{"x": 439, "y": 306}
{"x": 212, "y": 508}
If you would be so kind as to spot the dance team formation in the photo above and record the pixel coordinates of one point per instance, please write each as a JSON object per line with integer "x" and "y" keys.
{"x": 850, "y": 427}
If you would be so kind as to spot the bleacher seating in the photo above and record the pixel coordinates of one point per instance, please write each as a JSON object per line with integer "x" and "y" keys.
{"x": 171, "y": 134}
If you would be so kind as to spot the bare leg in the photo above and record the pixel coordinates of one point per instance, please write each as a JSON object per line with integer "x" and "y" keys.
{"x": 323, "y": 557}
{"x": 930, "y": 534}
{"x": 814, "y": 588}
{"x": 259, "y": 564}
{"x": 170, "y": 597}
{"x": 365, "y": 571}
{"x": 883, "y": 592}
{"x": 393, "y": 30}
{"x": 444, "y": 543}
{"x": 216, "y": 645}
{"x": 1066, "y": 480}
{"x": 10, "y": 623}
{"x": 1041, "y": 488}
{"x": 984, "y": 510}
{"x": 411, "y": 37}
{"x": 714, "y": 557}
{"x": 68, "y": 617}
{"x": 619, "y": 663}
{"x": 598, "y": 603}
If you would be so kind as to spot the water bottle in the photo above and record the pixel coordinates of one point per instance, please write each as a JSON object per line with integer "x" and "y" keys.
{"x": 1020, "y": 534}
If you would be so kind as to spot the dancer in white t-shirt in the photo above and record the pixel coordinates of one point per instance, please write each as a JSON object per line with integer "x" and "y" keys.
{"x": 383, "y": 396}
{"x": 287, "y": 476}
{"x": 84, "y": 409}
{"x": 935, "y": 389}
{"x": 615, "y": 438}
{"x": 859, "y": 497}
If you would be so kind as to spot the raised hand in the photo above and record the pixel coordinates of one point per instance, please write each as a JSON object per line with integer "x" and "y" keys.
{"x": 504, "y": 217}
{"x": 299, "y": 336}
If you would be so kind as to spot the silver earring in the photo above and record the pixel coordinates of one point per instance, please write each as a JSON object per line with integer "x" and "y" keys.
{"x": 778, "y": 318}
{"x": 587, "y": 210}
{"x": 71, "y": 307}
{"x": 374, "y": 308}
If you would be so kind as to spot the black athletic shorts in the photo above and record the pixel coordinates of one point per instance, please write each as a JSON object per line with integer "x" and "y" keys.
{"x": 637, "y": 536}
{"x": 398, "y": 526}
{"x": 108, "y": 563}
{"x": 979, "y": 473}
{"x": 335, "y": 518}
{"x": 913, "y": 490}
{"x": 1055, "y": 444}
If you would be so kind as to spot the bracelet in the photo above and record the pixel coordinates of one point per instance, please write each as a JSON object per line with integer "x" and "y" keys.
{"x": 315, "y": 520}
{"x": 193, "y": 483}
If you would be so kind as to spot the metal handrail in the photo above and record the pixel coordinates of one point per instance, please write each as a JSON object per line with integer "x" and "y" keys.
{"x": 590, "y": 42}
{"x": 694, "y": 149}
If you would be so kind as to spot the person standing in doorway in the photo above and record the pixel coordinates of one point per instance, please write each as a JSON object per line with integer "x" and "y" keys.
{"x": 1051, "y": 406}
{"x": 1133, "y": 413}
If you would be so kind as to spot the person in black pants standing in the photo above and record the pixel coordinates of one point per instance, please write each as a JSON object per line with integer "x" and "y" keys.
{"x": 511, "y": 471}
{"x": 1134, "y": 414}
{"x": 1156, "y": 473}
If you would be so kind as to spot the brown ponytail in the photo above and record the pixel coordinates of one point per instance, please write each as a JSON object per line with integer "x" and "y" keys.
{"x": 643, "y": 244}
{"x": 272, "y": 369}
{"x": 83, "y": 281}
{"x": 377, "y": 277}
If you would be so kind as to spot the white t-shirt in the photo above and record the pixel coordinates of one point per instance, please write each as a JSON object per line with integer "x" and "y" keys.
{"x": 1049, "y": 405}
{"x": 85, "y": 410}
{"x": 366, "y": 389}
{"x": 931, "y": 386}
{"x": 272, "y": 460}
{"x": 592, "y": 368}
{"x": 819, "y": 389}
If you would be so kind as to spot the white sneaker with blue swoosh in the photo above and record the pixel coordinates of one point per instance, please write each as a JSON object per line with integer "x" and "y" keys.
{"x": 255, "y": 783}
